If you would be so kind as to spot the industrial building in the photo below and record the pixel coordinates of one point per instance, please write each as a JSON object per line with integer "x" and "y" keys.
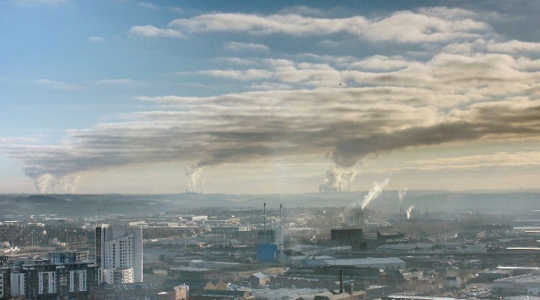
{"x": 349, "y": 236}
{"x": 386, "y": 263}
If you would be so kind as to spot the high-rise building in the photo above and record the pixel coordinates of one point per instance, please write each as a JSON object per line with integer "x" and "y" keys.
{"x": 39, "y": 279}
{"x": 119, "y": 254}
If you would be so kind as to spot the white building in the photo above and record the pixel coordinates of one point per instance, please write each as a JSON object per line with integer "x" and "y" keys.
{"x": 77, "y": 281}
{"x": 46, "y": 283}
{"x": 17, "y": 284}
{"x": 119, "y": 254}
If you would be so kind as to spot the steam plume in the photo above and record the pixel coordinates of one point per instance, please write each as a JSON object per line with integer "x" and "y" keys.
{"x": 409, "y": 212}
{"x": 401, "y": 195}
{"x": 45, "y": 183}
{"x": 374, "y": 192}
{"x": 195, "y": 184}
{"x": 48, "y": 183}
{"x": 338, "y": 180}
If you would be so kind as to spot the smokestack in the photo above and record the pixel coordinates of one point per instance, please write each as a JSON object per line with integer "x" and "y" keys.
{"x": 401, "y": 195}
{"x": 340, "y": 281}
{"x": 349, "y": 288}
{"x": 280, "y": 231}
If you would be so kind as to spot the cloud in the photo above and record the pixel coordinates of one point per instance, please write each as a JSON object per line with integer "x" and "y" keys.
{"x": 176, "y": 9}
{"x": 498, "y": 159}
{"x": 421, "y": 26}
{"x": 152, "y": 31}
{"x": 239, "y": 46}
{"x": 148, "y": 5}
{"x": 96, "y": 39}
{"x": 251, "y": 126}
{"x": 402, "y": 26}
{"x": 381, "y": 63}
{"x": 115, "y": 81}
{"x": 302, "y": 10}
{"x": 58, "y": 85}
{"x": 239, "y": 61}
{"x": 487, "y": 74}
{"x": 270, "y": 86}
{"x": 348, "y": 109}
{"x": 493, "y": 46}
{"x": 250, "y": 74}
{"x": 40, "y": 2}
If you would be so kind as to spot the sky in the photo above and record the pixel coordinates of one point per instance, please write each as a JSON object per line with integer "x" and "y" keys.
{"x": 253, "y": 97}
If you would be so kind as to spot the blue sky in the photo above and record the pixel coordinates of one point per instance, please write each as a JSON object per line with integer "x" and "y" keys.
{"x": 258, "y": 96}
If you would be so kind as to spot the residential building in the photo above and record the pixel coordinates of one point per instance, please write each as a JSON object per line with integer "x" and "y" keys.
{"x": 119, "y": 254}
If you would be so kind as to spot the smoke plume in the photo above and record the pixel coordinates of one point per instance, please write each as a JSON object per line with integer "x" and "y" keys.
{"x": 195, "y": 181}
{"x": 338, "y": 180}
{"x": 401, "y": 195}
{"x": 48, "y": 183}
{"x": 374, "y": 192}
{"x": 409, "y": 212}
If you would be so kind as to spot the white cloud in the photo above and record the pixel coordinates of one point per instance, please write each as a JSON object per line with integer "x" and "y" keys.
{"x": 239, "y": 61}
{"x": 382, "y": 63}
{"x": 148, "y": 5}
{"x": 482, "y": 45}
{"x": 422, "y": 26}
{"x": 38, "y": 2}
{"x": 402, "y": 26}
{"x": 270, "y": 86}
{"x": 513, "y": 47}
{"x": 115, "y": 81}
{"x": 152, "y": 31}
{"x": 59, "y": 85}
{"x": 96, "y": 39}
{"x": 239, "y": 46}
{"x": 250, "y": 74}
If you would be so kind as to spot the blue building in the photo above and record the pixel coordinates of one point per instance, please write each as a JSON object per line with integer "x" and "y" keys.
{"x": 267, "y": 248}
{"x": 267, "y": 252}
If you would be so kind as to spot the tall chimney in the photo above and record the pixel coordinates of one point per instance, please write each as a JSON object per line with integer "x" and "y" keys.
{"x": 340, "y": 281}
{"x": 264, "y": 214}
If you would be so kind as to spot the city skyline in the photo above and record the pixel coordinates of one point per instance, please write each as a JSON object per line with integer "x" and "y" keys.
{"x": 167, "y": 96}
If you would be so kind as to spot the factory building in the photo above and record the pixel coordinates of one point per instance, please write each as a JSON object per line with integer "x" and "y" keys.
{"x": 386, "y": 263}
{"x": 266, "y": 249}
{"x": 269, "y": 246}
{"x": 119, "y": 254}
{"x": 349, "y": 236}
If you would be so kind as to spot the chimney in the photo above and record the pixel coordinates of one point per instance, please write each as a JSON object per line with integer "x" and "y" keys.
{"x": 340, "y": 281}
{"x": 349, "y": 288}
